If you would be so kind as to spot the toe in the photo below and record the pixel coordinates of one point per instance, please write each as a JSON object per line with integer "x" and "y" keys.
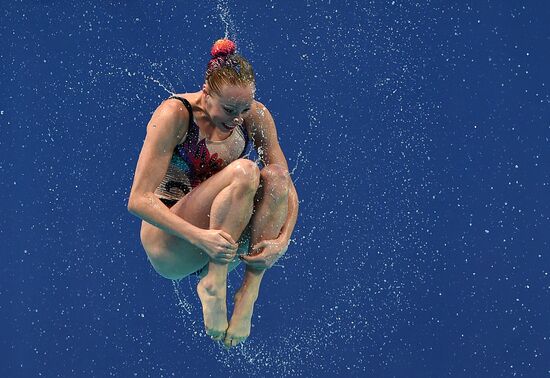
{"x": 228, "y": 342}
{"x": 215, "y": 335}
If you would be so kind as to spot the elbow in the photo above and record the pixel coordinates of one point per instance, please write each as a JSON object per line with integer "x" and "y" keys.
{"x": 132, "y": 206}
{"x": 138, "y": 202}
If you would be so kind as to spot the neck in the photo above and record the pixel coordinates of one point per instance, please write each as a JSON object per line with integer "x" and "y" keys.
{"x": 200, "y": 103}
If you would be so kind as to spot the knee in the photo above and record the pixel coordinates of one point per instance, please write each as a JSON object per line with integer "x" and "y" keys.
{"x": 245, "y": 173}
{"x": 275, "y": 181}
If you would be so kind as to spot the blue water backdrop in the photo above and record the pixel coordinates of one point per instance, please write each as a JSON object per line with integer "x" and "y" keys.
{"x": 417, "y": 134}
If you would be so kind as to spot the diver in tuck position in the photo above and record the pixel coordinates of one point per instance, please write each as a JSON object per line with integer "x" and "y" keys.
{"x": 204, "y": 204}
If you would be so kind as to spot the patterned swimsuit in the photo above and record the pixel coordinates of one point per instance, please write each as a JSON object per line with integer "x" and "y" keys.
{"x": 196, "y": 159}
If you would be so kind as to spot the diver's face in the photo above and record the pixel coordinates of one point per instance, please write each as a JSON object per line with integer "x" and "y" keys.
{"x": 229, "y": 107}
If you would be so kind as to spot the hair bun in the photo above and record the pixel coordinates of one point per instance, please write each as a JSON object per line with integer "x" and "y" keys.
{"x": 223, "y": 47}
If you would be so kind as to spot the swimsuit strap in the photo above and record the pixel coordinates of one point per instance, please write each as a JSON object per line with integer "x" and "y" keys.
{"x": 188, "y": 106}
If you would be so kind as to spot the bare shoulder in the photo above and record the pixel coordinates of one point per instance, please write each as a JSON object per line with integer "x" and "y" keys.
{"x": 258, "y": 118}
{"x": 169, "y": 121}
{"x": 258, "y": 112}
{"x": 172, "y": 109}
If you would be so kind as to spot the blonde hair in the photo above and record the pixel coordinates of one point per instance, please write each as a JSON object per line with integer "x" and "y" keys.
{"x": 227, "y": 68}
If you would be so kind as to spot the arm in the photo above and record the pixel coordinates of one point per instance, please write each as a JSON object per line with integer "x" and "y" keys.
{"x": 165, "y": 129}
{"x": 288, "y": 227}
{"x": 264, "y": 134}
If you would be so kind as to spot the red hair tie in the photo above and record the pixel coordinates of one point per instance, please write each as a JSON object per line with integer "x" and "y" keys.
{"x": 222, "y": 48}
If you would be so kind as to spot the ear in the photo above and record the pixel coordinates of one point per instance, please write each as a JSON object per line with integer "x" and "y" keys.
{"x": 205, "y": 88}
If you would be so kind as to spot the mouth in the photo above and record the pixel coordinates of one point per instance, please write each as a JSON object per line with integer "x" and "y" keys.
{"x": 229, "y": 127}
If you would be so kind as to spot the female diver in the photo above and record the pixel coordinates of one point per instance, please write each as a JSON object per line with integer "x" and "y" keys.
{"x": 204, "y": 204}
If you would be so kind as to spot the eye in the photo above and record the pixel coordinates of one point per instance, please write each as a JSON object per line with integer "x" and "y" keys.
{"x": 234, "y": 111}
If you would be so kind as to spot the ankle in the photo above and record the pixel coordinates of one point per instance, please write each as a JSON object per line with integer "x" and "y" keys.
{"x": 213, "y": 286}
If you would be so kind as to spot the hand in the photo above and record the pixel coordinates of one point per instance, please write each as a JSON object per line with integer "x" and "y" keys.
{"x": 265, "y": 254}
{"x": 218, "y": 245}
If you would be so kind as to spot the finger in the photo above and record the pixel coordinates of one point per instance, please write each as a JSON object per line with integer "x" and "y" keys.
{"x": 253, "y": 261}
{"x": 260, "y": 244}
{"x": 226, "y": 248}
{"x": 255, "y": 251}
{"x": 247, "y": 258}
{"x": 227, "y": 237}
{"x": 230, "y": 247}
{"x": 258, "y": 255}
{"x": 223, "y": 258}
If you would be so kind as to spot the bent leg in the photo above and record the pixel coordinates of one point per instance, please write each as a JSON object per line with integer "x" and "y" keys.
{"x": 231, "y": 211}
{"x": 224, "y": 201}
{"x": 174, "y": 257}
{"x": 269, "y": 216}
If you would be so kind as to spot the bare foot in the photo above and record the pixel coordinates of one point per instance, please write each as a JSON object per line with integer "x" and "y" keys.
{"x": 239, "y": 326}
{"x": 214, "y": 307}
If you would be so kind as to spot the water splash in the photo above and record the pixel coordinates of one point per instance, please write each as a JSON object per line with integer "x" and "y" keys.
{"x": 125, "y": 71}
{"x": 183, "y": 303}
{"x": 225, "y": 15}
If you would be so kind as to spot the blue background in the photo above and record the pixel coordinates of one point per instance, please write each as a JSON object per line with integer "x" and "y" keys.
{"x": 418, "y": 136}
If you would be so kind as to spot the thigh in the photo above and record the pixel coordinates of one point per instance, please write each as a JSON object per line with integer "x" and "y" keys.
{"x": 172, "y": 257}
{"x": 195, "y": 206}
